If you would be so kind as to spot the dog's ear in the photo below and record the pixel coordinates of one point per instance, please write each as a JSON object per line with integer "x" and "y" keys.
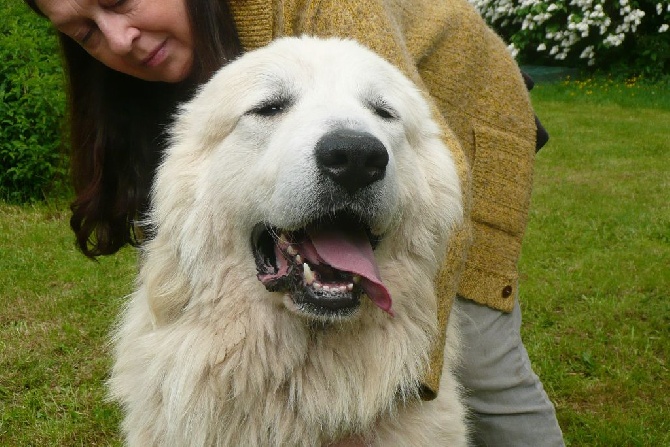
{"x": 213, "y": 112}
{"x": 202, "y": 125}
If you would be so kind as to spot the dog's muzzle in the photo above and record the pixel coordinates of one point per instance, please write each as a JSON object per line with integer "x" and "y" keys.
{"x": 328, "y": 264}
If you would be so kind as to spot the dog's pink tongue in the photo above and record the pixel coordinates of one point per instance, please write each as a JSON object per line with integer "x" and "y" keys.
{"x": 351, "y": 251}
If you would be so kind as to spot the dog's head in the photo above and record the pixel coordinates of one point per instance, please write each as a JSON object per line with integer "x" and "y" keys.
{"x": 304, "y": 173}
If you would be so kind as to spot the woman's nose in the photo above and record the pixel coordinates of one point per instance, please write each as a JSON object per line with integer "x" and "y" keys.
{"x": 119, "y": 33}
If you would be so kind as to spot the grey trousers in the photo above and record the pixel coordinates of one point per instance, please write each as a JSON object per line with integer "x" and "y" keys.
{"x": 508, "y": 405}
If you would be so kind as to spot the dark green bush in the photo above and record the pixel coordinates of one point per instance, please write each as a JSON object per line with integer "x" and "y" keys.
{"x": 32, "y": 105}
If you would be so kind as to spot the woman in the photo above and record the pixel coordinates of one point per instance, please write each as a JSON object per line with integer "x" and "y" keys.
{"x": 129, "y": 62}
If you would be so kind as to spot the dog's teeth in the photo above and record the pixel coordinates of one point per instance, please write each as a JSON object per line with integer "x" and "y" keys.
{"x": 317, "y": 285}
{"x": 350, "y": 287}
{"x": 343, "y": 289}
{"x": 357, "y": 279}
{"x": 282, "y": 239}
{"x": 325, "y": 288}
{"x": 298, "y": 259}
{"x": 307, "y": 274}
{"x": 292, "y": 251}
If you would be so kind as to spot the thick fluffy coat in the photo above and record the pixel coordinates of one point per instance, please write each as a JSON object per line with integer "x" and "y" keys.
{"x": 228, "y": 340}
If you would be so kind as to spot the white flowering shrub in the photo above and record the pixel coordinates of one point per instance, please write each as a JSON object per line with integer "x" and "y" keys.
{"x": 629, "y": 34}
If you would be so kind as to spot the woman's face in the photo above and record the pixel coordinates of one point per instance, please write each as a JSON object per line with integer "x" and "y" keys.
{"x": 147, "y": 39}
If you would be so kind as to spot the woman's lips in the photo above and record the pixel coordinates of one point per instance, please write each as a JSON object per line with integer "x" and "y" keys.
{"x": 157, "y": 56}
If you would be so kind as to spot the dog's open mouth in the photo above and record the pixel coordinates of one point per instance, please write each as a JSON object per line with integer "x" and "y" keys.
{"x": 325, "y": 267}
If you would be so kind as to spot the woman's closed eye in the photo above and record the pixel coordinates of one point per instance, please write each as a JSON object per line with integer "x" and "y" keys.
{"x": 112, "y": 3}
{"x": 85, "y": 35}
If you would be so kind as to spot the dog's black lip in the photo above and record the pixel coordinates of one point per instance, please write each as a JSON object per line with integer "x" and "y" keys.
{"x": 261, "y": 236}
{"x": 325, "y": 303}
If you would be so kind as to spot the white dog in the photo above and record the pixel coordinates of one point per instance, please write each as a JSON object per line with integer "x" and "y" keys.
{"x": 301, "y": 212}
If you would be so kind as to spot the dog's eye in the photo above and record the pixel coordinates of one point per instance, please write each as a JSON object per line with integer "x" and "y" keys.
{"x": 383, "y": 110}
{"x": 270, "y": 109}
{"x": 383, "y": 113}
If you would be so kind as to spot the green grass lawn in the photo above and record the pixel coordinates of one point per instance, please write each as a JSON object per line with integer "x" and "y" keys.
{"x": 596, "y": 261}
{"x": 57, "y": 308}
{"x": 595, "y": 286}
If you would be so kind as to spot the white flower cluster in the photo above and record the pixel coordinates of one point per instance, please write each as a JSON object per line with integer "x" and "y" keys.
{"x": 659, "y": 10}
{"x": 566, "y": 25}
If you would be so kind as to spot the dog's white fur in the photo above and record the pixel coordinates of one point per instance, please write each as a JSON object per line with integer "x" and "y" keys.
{"x": 204, "y": 354}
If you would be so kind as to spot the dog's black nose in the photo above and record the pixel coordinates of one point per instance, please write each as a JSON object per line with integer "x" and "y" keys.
{"x": 352, "y": 159}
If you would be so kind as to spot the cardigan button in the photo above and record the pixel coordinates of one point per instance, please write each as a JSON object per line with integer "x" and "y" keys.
{"x": 507, "y": 291}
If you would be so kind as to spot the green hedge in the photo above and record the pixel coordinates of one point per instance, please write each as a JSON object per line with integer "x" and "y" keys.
{"x": 32, "y": 105}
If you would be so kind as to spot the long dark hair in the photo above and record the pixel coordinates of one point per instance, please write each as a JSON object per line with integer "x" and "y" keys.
{"x": 117, "y": 128}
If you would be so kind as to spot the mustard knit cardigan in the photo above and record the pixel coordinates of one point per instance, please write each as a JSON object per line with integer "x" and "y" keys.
{"x": 481, "y": 104}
